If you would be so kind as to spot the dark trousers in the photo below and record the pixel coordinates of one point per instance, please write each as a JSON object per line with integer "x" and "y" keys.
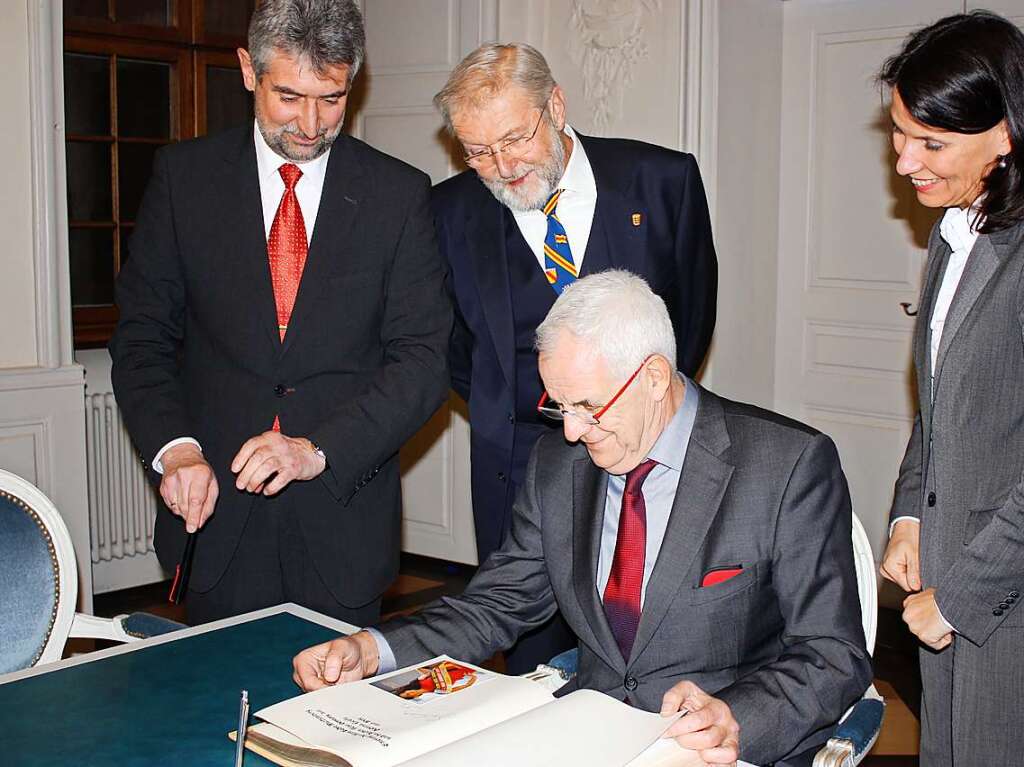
{"x": 272, "y": 565}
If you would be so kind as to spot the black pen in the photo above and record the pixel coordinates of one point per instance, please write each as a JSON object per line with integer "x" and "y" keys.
{"x": 180, "y": 584}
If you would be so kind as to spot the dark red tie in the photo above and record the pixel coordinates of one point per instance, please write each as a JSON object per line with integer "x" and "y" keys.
{"x": 622, "y": 594}
{"x": 286, "y": 248}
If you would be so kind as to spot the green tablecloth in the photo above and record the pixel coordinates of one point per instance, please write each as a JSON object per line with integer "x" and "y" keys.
{"x": 172, "y": 704}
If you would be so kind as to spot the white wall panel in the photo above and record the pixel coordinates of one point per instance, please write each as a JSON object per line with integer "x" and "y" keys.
{"x": 854, "y": 240}
{"x": 411, "y": 35}
{"x": 22, "y": 449}
{"x": 858, "y": 350}
{"x": 17, "y": 288}
{"x": 411, "y": 134}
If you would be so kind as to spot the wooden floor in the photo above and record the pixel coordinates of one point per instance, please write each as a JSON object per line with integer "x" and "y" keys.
{"x": 423, "y": 580}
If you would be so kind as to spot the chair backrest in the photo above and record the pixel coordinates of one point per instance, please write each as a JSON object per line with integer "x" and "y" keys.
{"x": 867, "y": 582}
{"x": 38, "y": 579}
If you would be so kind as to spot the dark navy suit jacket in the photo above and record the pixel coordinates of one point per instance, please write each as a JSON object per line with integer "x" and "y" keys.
{"x": 671, "y": 248}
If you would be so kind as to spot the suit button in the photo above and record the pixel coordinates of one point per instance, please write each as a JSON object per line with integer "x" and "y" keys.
{"x": 1010, "y": 600}
{"x": 511, "y": 418}
{"x": 1014, "y": 594}
{"x": 280, "y": 390}
{"x": 501, "y": 476}
{"x": 630, "y": 683}
{"x": 931, "y": 499}
{"x": 1004, "y": 606}
{"x": 997, "y": 612}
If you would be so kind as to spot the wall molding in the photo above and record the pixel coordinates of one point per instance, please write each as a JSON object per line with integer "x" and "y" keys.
{"x": 54, "y": 334}
{"x": 19, "y": 379}
{"x": 843, "y": 339}
{"x": 698, "y": 98}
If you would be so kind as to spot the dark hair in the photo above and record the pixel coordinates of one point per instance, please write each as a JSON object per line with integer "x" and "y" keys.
{"x": 323, "y": 32}
{"x": 965, "y": 74}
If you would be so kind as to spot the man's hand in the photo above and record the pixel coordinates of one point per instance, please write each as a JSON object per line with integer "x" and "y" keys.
{"x": 347, "y": 659}
{"x": 272, "y": 453}
{"x": 708, "y": 728}
{"x": 189, "y": 487}
{"x": 921, "y": 614}
{"x": 901, "y": 563}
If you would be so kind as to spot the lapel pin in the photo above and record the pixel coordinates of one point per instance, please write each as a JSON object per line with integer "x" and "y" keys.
{"x": 636, "y": 219}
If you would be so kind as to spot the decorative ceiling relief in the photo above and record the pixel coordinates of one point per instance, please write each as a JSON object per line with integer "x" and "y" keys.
{"x": 606, "y": 44}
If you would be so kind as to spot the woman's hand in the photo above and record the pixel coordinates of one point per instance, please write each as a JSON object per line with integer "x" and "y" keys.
{"x": 901, "y": 563}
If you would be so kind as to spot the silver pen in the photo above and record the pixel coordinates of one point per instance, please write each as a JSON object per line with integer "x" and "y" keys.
{"x": 243, "y": 724}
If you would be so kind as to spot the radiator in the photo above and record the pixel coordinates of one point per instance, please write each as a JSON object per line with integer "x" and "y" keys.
{"x": 122, "y": 504}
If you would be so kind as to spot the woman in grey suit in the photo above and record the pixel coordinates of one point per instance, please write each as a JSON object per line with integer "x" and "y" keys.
{"x": 957, "y": 522}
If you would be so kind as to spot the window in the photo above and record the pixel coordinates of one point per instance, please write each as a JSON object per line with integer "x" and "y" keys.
{"x": 138, "y": 74}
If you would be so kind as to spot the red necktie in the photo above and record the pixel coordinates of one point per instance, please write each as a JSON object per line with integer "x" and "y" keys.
{"x": 622, "y": 594}
{"x": 286, "y": 248}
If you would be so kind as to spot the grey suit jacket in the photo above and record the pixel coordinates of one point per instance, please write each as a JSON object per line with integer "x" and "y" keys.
{"x": 781, "y": 643}
{"x": 962, "y": 471}
{"x": 962, "y": 478}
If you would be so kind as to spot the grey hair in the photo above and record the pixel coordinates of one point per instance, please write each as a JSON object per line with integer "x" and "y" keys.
{"x": 490, "y": 69}
{"x": 323, "y": 33}
{"x": 617, "y": 314}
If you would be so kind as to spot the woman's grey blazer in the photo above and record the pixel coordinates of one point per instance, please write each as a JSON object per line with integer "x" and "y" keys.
{"x": 962, "y": 478}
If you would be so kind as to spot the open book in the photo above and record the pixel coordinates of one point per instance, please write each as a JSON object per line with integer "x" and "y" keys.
{"x": 446, "y": 712}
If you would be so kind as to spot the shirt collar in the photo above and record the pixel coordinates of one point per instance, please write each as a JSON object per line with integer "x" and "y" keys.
{"x": 957, "y": 230}
{"x": 578, "y": 176}
{"x": 268, "y": 161}
{"x": 666, "y": 450}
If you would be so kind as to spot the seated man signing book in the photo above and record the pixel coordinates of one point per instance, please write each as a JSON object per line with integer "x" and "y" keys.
{"x": 699, "y": 548}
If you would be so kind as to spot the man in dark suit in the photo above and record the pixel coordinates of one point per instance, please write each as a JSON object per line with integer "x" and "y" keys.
{"x": 697, "y": 547}
{"x": 622, "y": 204}
{"x": 283, "y": 331}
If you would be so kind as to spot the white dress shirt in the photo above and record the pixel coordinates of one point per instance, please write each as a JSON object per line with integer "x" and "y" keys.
{"x": 575, "y": 207}
{"x": 958, "y": 233}
{"x": 308, "y": 190}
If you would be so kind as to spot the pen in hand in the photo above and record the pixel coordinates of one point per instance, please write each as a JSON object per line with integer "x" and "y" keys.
{"x": 181, "y": 573}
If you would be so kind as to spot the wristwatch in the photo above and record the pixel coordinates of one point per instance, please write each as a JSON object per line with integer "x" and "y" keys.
{"x": 316, "y": 449}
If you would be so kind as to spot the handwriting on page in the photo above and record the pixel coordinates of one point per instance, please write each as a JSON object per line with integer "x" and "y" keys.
{"x": 356, "y": 726}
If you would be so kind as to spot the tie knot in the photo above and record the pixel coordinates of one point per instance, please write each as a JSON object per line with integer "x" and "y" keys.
{"x": 635, "y": 478}
{"x": 291, "y": 175}
{"x": 551, "y": 204}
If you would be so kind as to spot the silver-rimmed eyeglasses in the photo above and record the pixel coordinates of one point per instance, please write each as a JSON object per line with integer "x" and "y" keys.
{"x": 513, "y": 147}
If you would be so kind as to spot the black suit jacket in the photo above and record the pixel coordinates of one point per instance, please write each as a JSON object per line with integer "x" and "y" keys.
{"x": 197, "y": 352}
{"x": 781, "y": 642}
{"x": 671, "y": 248}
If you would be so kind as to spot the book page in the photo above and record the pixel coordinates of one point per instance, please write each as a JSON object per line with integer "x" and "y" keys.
{"x": 665, "y": 752}
{"x": 585, "y": 727}
{"x": 389, "y": 719}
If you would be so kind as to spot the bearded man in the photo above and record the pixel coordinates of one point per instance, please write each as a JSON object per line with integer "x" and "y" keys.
{"x": 540, "y": 206}
{"x": 283, "y": 330}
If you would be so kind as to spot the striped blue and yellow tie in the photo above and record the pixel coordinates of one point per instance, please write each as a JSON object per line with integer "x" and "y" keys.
{"x": 559, "y": 267}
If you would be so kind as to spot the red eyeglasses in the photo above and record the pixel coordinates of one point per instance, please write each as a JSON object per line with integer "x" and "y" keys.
{"x": 557, "y": 412}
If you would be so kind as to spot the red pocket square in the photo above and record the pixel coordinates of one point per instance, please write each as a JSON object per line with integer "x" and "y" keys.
{"x": 720, "y": 574}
